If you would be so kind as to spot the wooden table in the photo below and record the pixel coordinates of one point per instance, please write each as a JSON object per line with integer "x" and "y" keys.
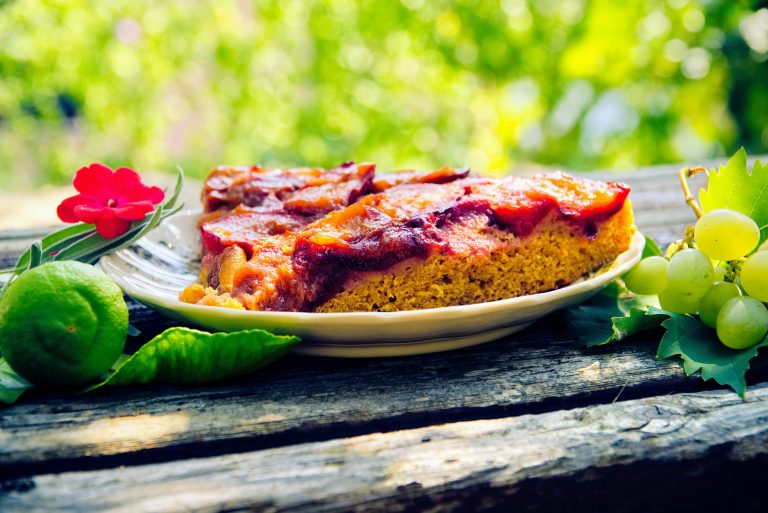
{"x": 530, "y": 423}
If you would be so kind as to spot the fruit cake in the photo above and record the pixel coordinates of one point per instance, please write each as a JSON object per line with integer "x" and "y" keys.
{"x": 348, "y": 239}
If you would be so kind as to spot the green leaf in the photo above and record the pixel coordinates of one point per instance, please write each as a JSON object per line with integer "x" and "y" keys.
{"x": 11, "y": 384}
{"x": 136, "y": 232}
{"x": 171, "y": 201}
{"x": 74, "y": 251}
{"x": 702, "y": 352}
{"x": 94, "y": 244}
{"x": 611, "y": 316}
{"x": 53, "y": 241}
{"x": 35, "y": 254}
{"x": 50, "y": 244}
{"x": 638, "y": 319}
{"x": 181, "y": 356}
{"x": 650, "y": 248}
{"x": 51, "y": 250}
{"x": 734, "y": 187}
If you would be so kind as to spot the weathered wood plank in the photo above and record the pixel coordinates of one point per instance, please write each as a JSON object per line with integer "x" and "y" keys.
{"x": 681, "y": 452}
{"x": 302, "y": 399}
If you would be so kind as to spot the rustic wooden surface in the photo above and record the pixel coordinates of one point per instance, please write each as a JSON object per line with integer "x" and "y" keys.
{"x": 655, "y": 450}
{"x": 530, "y": 423}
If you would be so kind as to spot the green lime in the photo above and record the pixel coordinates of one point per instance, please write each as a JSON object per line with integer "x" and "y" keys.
{"x": 62, "y": 324}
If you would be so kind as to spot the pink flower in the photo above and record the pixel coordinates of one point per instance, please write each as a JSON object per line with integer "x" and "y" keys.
{"x": 109, "y": 199}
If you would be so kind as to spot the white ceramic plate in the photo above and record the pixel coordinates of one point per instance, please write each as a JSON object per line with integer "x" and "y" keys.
{"x": 160, "y": 265}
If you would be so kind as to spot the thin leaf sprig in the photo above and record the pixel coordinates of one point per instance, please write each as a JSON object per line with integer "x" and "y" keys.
{"x": 82, "y": 242}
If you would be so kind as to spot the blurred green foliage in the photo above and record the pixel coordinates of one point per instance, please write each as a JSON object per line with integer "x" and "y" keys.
{"x": 409, "y": 83}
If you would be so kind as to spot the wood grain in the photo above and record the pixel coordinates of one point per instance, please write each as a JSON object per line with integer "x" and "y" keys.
{"x": 684, "y": 452}
{"x": 303, "y": 398}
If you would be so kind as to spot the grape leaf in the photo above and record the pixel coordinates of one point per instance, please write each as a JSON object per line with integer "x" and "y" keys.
{"x": 639, "y": 319}
{"x": 703, "y": 353}
{"x": 650, "y": 248}
{"x": 181, "y": 356}
{"x": 734, "y": 187}
{"x": 627, "y": 313}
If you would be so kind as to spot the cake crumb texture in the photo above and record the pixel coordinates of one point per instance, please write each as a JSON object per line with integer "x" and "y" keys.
{"x": 555, "y": 254}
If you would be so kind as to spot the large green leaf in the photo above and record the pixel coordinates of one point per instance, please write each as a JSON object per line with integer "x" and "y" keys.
{"x": 702, "y": 352}
{"x": 734, "y": 187}
{"x": 187, "y": 356}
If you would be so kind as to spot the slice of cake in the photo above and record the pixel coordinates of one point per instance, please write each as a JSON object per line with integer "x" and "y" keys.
{"x": 348, "y": 240}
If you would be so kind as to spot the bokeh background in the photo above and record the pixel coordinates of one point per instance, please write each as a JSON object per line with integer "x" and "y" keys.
{"x": 495, "y": 85}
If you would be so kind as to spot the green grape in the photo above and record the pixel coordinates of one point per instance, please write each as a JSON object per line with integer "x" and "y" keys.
{"x": 726, "y": 234}
{"x": 720, "y": 272}
{"x": 754, "y": 276}
{"x": 690, "y": 273}
{"x": 714, "y": 299}
{"x": 674, "y": 302}
{"x": 742, "y": 322}
{"x": 649, "y": 276}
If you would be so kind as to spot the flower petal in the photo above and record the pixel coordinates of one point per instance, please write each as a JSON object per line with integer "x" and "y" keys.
{"x": 155, "y": 194}
{"x": 66, "y": 209}
{"x": 110, "y": 226}
{"x": 127, "y": 180}
{"x": 131, "y": 188}
{"x": 89, "y": 213}
{"x": 134, "y": 211}
{"x": 95, "y": 180}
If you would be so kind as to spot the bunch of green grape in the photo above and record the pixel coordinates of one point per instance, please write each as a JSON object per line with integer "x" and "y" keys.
{"x": 719, "y": 273}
